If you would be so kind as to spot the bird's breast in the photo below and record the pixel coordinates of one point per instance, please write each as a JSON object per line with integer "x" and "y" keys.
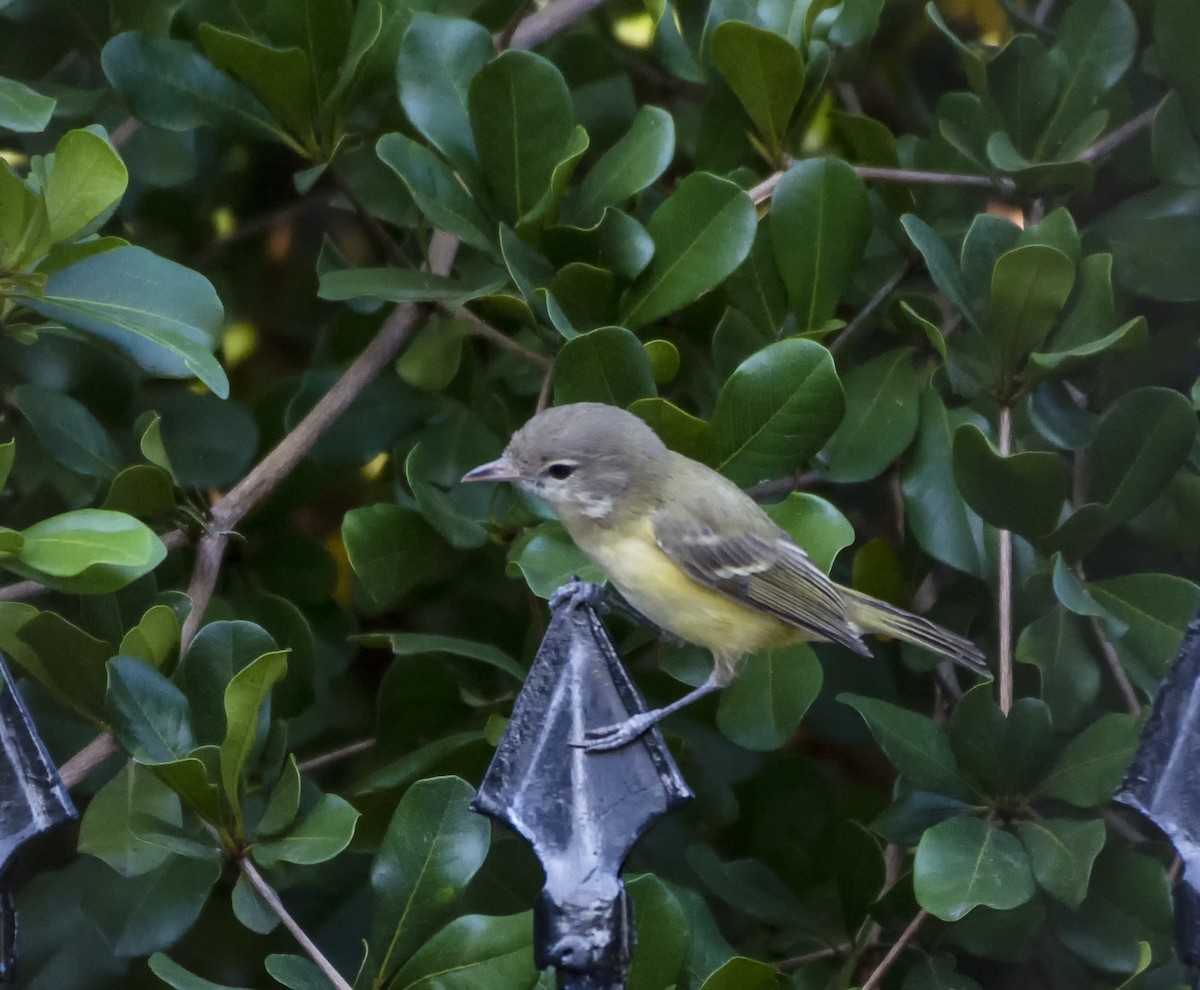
{"x": 654, "y": 585}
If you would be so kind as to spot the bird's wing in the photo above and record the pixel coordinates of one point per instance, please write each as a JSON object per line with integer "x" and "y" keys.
{"x": 761, "y": 568}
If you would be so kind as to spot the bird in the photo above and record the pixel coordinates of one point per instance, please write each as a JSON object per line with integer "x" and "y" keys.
{"x": 691, "y": 551}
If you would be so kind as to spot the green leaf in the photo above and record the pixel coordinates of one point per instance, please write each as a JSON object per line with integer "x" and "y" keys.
{"x": 170, "y": 85}
{"x": 108, "y": 829}
{"x": 701, "y": 233}
{"x": 762, "y": 709}
{"x": 217, "y": 652}
{"x": 155, "y": 639}
{"x": 662, "y": 933}
{"x": 764, "y": 71}
{"x": 69, "y": 431}
{"x": 1030, "y": 286}
{"x": 8, "y": 454}
{"x": 1155, "y": 242}
{"x": 174, "y": 975}
{"x": 417, "y": 644}
{"x": 741, "y": 973}
{"x": 748, "y": 885}
{"x": 1142, "y": 440}
{"x": 882, "y": 413}
{"x": 682, "y": 432}
{"x": 161, "y": 315}
{"x": 417, "y": 763}
{"x": 1096, "y": 44}
{"x": 1093, "y": 763}
{"x": 87, "y": 178}
{"x": 88, "y": 551}
{"x": 474, "y": 951}
{"x": 1155, "y": 610}
{"x": 964, "y": 863}
{"x": 629, "y": 166}
{"x": 148, "y": 714}
{"x": 284, "y": 802}
{"x": 296, "y": 972}
{"x": 547, "y": 559}
{"x": 319, "y": 836}
{"x": 820, "y": 222}
{"x": 141, "y": 490}
{"x": 776, "y": 410}
{"x": 943, "y": 269}
{"x": 1007, "y": 754}
{"x": 757, "y": 292}
{"x": 439, "y": 56}
{"x": 250, "y": 909}
{"x": 918, "y": 747}
{"x": 245, "y": 697}
{"x": 390, "y": 548}
{"x": 280, "y": 77}
{"x": 1061, "y": 852}
{"x": 60, "y": 655}
{"x": 815, "y": 524}
{"x": 606, "y": 365}
{"x": 1023, "y": 492}
{"x": 436, "y": 191}
{"x": 937, "y": 973}
{"x": 1023, "y": 82}
{"x": 405, "y": 285}
{"x": 433, "y": 846}
{"x": 522, "y": 120}
{"x": 1056, "y": 645}
{"x": 437, "y": 505}
{"x": 143, "y": 914}
{"x": 22, "y": 109}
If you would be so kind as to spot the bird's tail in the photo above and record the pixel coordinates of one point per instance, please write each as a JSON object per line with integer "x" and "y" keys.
{"x": 873, "y": 616}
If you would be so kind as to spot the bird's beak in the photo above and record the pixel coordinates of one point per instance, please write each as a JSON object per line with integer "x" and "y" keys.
{"x": 501, "y": 469}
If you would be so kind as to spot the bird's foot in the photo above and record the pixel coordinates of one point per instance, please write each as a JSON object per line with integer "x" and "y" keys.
{"x": 577, "y": 592}
{"x": 611, "y": 737}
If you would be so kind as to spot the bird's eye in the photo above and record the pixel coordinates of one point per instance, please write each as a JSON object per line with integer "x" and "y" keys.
{"x": 560, "y": 471}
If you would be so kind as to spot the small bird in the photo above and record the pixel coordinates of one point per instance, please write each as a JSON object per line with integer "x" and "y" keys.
{"x": 691, "y": 551}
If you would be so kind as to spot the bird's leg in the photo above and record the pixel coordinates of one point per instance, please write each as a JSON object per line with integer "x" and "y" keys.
{"x": 623, "y": 733}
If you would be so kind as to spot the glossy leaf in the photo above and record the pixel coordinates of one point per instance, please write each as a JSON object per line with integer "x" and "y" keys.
{"x": 1141, "y": 441}
{"x": 319, "y": 836}
{"x": 108, "y": 830}
{"x": 68, "y": 431}
{"x": 88, "y": 551}
{"x": 174, "y": 975}
{"x": 495, "y": 950}
{"x": 433, "y": 846}
{"x": 917, "y": 747}
{"x": 23, "y": 109}
{"x": 965, "y": 863}
{"x": 629, "y": 166}
{"x": 815, "y": 524}
{"x": 1056, "y": 645}
{"x": 1030, "y": 286}
{"x": 404, "y": 285}
{"x": 1023, "y": 492}
{"x": 762, "y": 709}
{"x": 741, "y": 973}
{"x": 1061, "y": 852}
{"x": 163, "y": 316}
{"x": 820, "y": 222}
{"x": 1093, "y": 763}
{"x": 88, "y": 177}
{"x": 245, "y": 697}
{"x": 701, "y": 234}
{"x": 764, "y": 71}
{"x": 606, "y": 365}
{"x": 882, "y": 412}
{"x": 547, "y": 559}
{"x": 776, "y": 410}
{"x": 390, "y": 549}
{"x": 148, "y": 713}
{"x": 943, "y": 269}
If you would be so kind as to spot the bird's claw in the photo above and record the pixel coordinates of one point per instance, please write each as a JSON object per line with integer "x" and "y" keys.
{"x": 577, "y": 592}
{"x": 610, "y": 737}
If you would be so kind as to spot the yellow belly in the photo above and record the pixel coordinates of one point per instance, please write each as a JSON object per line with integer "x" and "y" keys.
{"x": 657, "y": 588}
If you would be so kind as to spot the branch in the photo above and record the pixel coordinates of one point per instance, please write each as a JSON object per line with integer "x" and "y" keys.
{"x": 543, "y": 399}
{"x": 267, "y": 893}
{"x": 906, "y": 176}
{"x": 893, "y": 953}
{"x": 335, "y": 755}
{"x": 484, "y": 329}
{"x": 552, "y": 19}
{"x": 864, "y": 314}
{"x": 205, "y": 572}
{"x": 1006, "y": 581}
{"x": 1113, "y": 140}
{"x": 1116, "y": 668}
{"x": 77, "y": 768}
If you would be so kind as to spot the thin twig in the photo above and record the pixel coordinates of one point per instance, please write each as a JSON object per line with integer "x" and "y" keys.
{"x": 792, "y": 483}
{"x": 1114, "y": 139}
{"x": 864, "y": 314}
{"x": 1042, "y": 11}
{"x": 552, "y": 19}
{"x": 893, "y": 953}
{"x": 547, "y": 383}
{"x": 484, "y": 329}
{"x": 829, "y": 952}
{"x": 1116, "y": 668}
{"x": 1006, "y": 581}
{"x": 124, "y": 131}
{"x": 335, "y": 755}
{"x": 371, "y": 222}
{"x": 907, "y": 176}
{"x": 79, "y": 766}
{"x": 267, "y": 893}
{"x": 20, "y": 590}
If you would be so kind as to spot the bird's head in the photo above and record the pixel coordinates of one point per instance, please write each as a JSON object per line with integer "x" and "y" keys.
{"x": 586, "y": 460}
